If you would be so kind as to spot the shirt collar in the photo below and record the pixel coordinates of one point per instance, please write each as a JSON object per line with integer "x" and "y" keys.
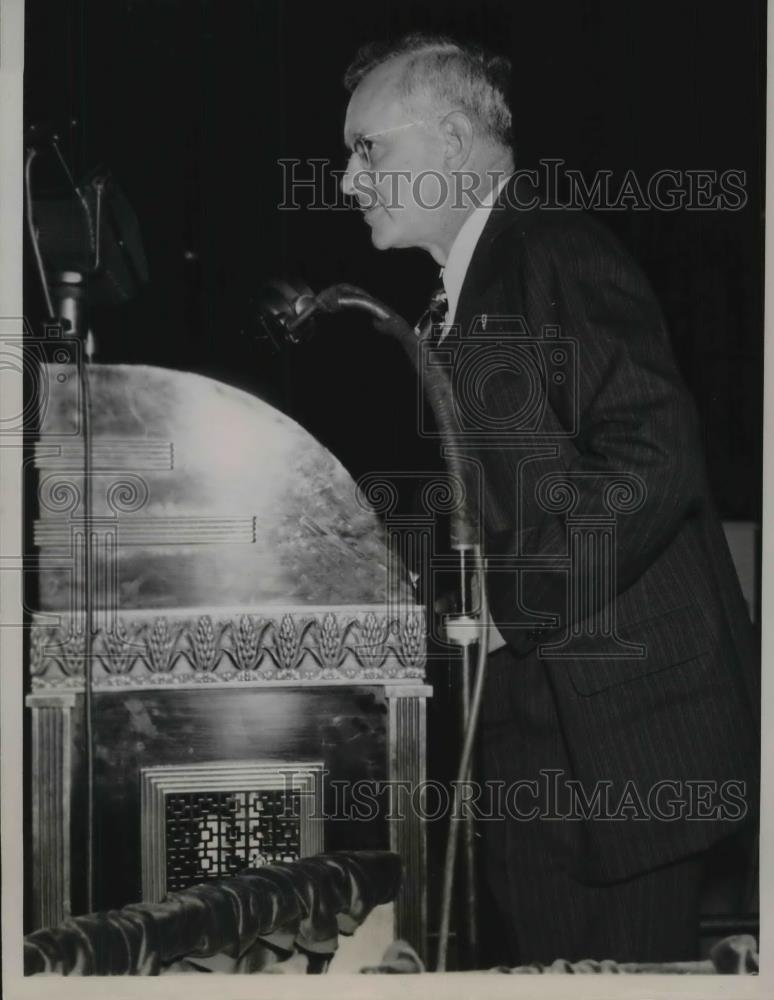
{"x": 461, "y": 252}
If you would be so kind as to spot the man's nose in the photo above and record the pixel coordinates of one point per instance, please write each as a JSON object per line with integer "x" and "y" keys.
{"x": 347, "y": 180}
{"x": 358, "y": 183}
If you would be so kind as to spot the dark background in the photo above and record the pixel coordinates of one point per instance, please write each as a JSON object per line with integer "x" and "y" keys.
{"x": 192, "y": 102}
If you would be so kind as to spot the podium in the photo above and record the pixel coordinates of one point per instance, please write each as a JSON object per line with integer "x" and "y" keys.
{"x": 257, "y": 660}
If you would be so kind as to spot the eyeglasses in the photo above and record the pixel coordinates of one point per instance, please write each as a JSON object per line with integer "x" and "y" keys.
{"x": 361, "y": 147}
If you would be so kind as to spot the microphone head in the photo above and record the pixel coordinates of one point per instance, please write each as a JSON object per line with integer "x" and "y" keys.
{"x": 285, "y": 309}
{"x": 95, "y": 232}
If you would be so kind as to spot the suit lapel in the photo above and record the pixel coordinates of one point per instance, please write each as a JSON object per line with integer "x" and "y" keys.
{"x": 481, "y": 273}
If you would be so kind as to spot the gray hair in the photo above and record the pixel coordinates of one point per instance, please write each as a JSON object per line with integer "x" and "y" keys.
{"x": 454, "y": 75}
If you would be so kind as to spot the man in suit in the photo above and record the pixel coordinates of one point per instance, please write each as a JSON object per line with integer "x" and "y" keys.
{"x": 621, "y": 701}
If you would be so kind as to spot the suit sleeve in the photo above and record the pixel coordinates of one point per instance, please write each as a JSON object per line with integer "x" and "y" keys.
{"x": 623, "y": 417}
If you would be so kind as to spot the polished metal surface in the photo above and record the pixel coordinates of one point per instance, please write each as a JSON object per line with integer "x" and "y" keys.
{"x": 202, "y": 495}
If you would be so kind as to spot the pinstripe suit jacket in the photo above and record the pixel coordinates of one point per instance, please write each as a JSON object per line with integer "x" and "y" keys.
{"x": 609, "y": 407}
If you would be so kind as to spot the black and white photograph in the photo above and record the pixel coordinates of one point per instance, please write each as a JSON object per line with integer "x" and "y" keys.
{"x": 384, "y": 577}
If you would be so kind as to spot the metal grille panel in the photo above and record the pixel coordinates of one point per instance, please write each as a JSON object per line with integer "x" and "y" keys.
{"x": 217, "y": 834}
{"x": 210, "y": 821}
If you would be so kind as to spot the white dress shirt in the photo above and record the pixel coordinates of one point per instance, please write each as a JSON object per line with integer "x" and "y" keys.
{"x": 453, "y": 276}
{"x": 462, "y": 249}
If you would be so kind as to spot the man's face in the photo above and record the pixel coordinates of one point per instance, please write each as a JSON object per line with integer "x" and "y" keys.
{"x": 401, "y": 209}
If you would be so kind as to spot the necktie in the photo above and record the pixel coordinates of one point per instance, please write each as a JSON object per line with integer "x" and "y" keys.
{"x": 430, "y": 323}
{"x": 430, "y": 327}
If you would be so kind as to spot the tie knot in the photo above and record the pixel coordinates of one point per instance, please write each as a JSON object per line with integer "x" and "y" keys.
{"x": 438, "y": 304}
{"x": 435, "y": 313}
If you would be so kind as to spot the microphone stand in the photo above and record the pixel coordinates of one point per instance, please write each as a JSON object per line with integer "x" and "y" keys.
{"x": 68, "y": 293}
{"x": 66, "y": 300}
{"x": 287, "y": 308}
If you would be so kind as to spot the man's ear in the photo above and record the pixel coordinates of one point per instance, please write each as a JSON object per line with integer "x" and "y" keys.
{"x": 457, "y": 130}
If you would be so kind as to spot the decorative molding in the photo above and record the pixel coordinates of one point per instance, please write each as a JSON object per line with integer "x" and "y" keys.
{"x": 158, "y": 783}
{"x": 51, "y": 802}
{"x": 242, "y": 646}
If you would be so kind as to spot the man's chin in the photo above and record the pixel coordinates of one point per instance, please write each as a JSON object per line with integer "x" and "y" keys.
{"x": 380, "y": 239}
{"x": 383, "y": 234}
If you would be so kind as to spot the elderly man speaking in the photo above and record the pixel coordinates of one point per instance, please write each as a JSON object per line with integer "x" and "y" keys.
{"x": 624, "y": 714}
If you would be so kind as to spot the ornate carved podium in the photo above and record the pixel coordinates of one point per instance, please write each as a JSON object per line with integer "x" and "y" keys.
{"x": 256, "y": 655}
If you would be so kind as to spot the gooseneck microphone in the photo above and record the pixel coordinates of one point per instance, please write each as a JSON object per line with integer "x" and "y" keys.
{"x": 287, "y": 311}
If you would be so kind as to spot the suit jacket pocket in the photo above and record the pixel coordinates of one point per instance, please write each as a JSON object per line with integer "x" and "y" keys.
{"x": 669, "y": 640}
